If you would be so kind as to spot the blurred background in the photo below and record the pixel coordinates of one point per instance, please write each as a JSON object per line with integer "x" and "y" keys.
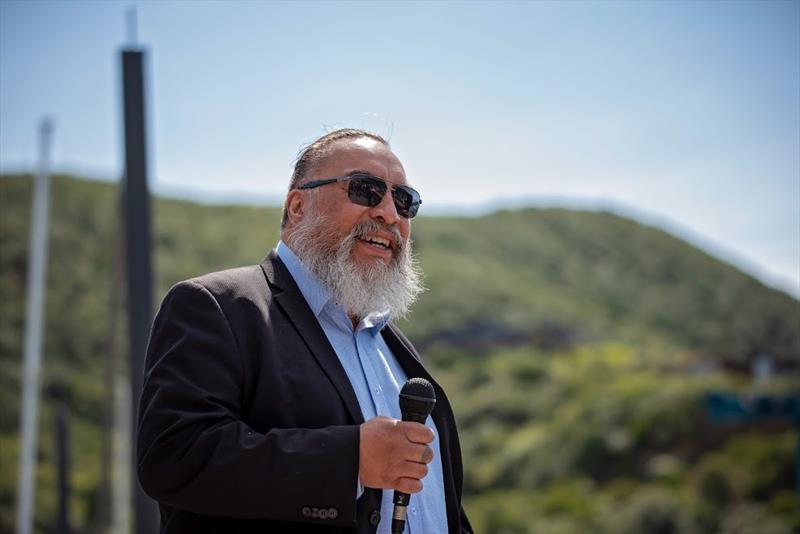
{"x": 610, "y": 234}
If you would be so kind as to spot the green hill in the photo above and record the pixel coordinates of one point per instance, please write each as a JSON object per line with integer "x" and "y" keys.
{"x": 568, "y": 340}
{"x": 555, "y": 276}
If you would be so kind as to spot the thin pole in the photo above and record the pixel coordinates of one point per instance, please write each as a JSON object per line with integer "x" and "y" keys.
{"x": 63, "y": 464}
{"x": 131, "y": 26}
{"x": 139, "y": 270}
{"x": 105, "y": 499}
{"x": 121, "y": 509}
{"x": 34, "y": 322}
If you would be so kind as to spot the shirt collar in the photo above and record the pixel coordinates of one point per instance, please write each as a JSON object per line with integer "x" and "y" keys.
{"x": 317, "y": 294}
{"x": 375, "y": 321}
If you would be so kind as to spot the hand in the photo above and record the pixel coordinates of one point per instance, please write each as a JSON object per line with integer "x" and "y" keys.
{"x": 394, "y": 454}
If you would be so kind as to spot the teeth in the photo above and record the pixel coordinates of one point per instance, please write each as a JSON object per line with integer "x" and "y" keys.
{"x": 377, "y": 241}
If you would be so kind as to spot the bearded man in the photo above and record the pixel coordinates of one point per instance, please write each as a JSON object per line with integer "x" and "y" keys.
{"x": 270, "y": 399}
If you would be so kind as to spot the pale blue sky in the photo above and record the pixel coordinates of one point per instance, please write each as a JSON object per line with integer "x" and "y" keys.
{"x": 682, "y": 114}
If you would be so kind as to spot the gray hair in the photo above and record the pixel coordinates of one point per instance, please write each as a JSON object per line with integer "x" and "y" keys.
{"x": 312, "y": 154}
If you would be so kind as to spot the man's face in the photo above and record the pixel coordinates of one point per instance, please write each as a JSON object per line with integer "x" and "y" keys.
{"x": 334, "y": 237}
{"x": 370, "y": 156}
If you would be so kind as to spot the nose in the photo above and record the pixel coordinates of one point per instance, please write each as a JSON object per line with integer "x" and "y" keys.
{"x": 385, "y": 210}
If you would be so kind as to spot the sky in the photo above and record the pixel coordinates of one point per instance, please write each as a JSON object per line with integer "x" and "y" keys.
{"x": 684, "y": 115}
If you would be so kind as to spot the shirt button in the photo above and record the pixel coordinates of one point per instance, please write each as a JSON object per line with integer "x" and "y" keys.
{"x": 377, "y": 391}
{"x": 414, "y": 511}
{"x": 374, "y": 518}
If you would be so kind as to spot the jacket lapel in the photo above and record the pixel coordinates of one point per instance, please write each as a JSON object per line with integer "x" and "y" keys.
{"x": 410, "y": 361}
{"x": 288, "y": 296}
{"x": 442, "y": 415}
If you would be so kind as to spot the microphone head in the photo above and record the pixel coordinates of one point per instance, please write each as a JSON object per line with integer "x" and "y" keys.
{"x": 417, "y": 397}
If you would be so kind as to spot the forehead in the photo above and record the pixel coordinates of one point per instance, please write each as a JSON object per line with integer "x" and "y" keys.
{"x": 362, "y": 154}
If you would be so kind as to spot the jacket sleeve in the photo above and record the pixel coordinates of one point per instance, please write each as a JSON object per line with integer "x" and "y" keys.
{"x": 195, "y": 453}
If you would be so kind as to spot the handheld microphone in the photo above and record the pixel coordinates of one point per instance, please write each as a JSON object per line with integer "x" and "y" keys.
{"x": 416, "y": 403}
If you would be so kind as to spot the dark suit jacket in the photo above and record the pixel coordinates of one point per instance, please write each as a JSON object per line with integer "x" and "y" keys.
{"x": 247, "y": 420}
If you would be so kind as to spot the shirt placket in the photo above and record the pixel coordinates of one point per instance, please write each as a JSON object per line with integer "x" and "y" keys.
{"x": 418, "y": 513}
{"x": 343, "y": 324}
{"x": 366, "y": 356}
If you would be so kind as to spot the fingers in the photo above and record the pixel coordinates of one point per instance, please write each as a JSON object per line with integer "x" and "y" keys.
{"x": 407, "y": 485}
{"x": 417, "y": 453}
{"x": 415, "y": 470}
{"x": 427, "y": 455}
{"x": 416, "y": 432}
{"x": 394, "y": 454}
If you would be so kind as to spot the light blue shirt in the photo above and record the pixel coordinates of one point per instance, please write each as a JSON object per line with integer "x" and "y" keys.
{"x": 376, "y": 377}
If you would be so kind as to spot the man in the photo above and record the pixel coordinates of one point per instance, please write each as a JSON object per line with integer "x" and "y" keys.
{"x": 270, "y": 400}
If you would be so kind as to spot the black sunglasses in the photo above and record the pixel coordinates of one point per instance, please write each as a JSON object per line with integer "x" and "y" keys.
{"x": 367, "y": 190}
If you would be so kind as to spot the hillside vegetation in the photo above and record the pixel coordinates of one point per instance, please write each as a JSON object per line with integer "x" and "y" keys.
{"x": 576, "y": 348}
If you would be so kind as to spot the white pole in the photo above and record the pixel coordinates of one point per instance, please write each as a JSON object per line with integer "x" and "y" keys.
{"x": 37, "y": 281}
{"x": 122, "y": 503}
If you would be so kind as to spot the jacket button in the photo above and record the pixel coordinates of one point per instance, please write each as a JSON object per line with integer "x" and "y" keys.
{"x": 333, "y": 513}
{"x": 374, "y": 518}
{"x": 306, "y": 511}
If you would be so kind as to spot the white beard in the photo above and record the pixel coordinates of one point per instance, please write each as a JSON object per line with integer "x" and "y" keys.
{"x": 360, "y": 288}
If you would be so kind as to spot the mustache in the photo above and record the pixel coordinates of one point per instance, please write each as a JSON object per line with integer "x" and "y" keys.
{"x": 370, "y": 227}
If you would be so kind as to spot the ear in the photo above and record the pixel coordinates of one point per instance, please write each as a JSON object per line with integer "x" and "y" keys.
{"x": 294, "y": 205}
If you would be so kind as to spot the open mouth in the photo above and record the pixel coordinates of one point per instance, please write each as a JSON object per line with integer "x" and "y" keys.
{"x": 377, "y": 242}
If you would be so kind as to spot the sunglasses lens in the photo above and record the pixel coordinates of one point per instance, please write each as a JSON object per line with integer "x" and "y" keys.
{"x": 366, "y": 190}
{"x": 406, "y": 200}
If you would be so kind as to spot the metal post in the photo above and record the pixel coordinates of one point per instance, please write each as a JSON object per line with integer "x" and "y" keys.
{"x": 122, "y": 474}
{"x": 62, "y": 458}
{"x": 136, "y": 200}
{"x": 34, "y": 321}
{"x": 103, "y": 513}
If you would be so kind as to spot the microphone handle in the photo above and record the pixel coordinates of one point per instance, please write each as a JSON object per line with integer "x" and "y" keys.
{"x": 400, "y": 498}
